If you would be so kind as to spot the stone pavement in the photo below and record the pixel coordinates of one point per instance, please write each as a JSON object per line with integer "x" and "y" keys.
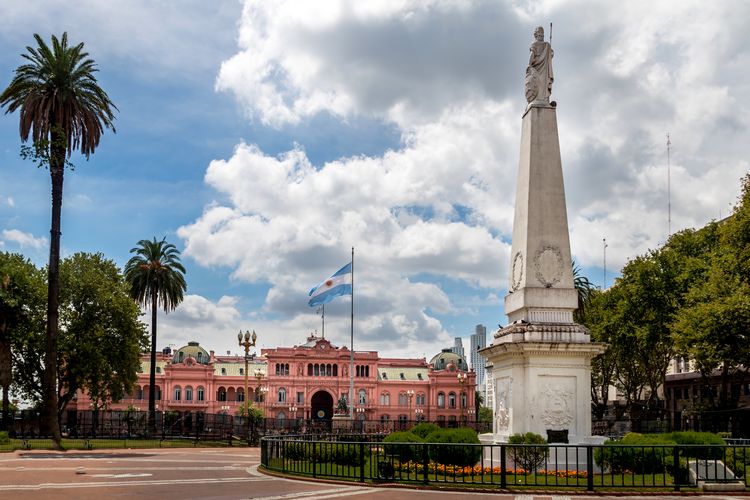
{"x": 224, "y": 473}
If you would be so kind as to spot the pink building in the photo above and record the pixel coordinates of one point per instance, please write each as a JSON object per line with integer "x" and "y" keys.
{"x": 306, "y": 381}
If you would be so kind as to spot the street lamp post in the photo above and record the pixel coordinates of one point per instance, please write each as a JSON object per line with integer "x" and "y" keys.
{"x": 410, "y": 395}
{"x": 247, "y": 341}
{"x": 461, "y": 382}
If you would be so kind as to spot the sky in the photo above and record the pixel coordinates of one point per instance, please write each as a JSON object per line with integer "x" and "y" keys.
{"x": 265, "y": 139}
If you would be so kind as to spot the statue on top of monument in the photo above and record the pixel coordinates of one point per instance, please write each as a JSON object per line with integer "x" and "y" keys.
{"x": 539, "y": 77}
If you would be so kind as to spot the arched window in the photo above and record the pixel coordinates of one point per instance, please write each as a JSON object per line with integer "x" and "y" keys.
{"x": 222, "y": 394}
{"x": 188, "y": 393}
{"x": 158, "y": 369}
{"x": 199, "y": 356}
{"x": 286, "y": 369}
{"x": 177, "y": 393}
{"x": 181, "y": 357}
{"x": 223, "y": 371}
{"x": 385, "y": 399}
{"x": 282, "y": 395}
{"x": 420, "y": 399}
{"x": 139, "y": 393}
{"x": 309, "y": 369}
{"x": 441, "y": 400}
{"x": 367, "y": 371}
{"x": 281, "y": 416}
{"x": 402, "y": 399}
{"x": 240, "y": 395}
{"x": 385, "y": 418}
{"x": 362, "y": 397}
{"x": 316, "y": 369}
{"x": 463, "y": 400}
{"x": 242, "y": 371}
{"x": 356, "y": 371}
{"x": 335, "y": 370}
{"x": 451, "y": 400}
{"x": 201, "y": 394}
{"x": 157, "y": 394}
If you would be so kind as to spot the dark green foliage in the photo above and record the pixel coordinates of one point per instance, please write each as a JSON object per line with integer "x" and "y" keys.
{"x": 738, "y": 459}
{"x": 338, "y": 453}
{"x": 295, "y": 451}
{"x": 4, "y": 439}
{"x": 403, "y": 450}
{"x": 697, "y": 438}
{"x": 454, "y": 455}
{"x": 645, "y": 454}
{"x": 528, "y": 457}
{"x": 423, "y": 429}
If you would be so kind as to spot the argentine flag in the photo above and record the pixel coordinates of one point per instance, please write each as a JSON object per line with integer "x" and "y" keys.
{"x": 338, "y": 284}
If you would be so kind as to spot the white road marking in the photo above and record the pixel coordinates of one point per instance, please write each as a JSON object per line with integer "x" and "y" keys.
{"x": 119, "y": 476}
{"x": 101, "y": 484}
{"x": 332, "y": 493}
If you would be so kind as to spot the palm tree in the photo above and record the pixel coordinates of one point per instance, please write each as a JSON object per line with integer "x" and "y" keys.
{"x": 585, "y": 291}
{"x": 63, "y": 109}
{"x": 156, "y": 277}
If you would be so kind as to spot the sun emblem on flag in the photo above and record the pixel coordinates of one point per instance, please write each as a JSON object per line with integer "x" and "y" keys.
{"x": 329, "y": 282}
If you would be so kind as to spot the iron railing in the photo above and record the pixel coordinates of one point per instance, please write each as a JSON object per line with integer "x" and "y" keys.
{"x": 505, "y": 466}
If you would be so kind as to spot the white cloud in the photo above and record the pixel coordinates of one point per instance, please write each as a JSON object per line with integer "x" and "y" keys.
{"x": 24, "y": 240}
{"x": 448, "y": 75}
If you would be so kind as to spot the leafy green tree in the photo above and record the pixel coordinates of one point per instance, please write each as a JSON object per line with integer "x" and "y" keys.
{"x": 713, "y": 328}
{"x": 485, "y": 414}
{"x": 156, "y": 277}
{"x": 101, "y": 336}
{"x": 22, "y": 293}
{"x": 63, "y": 109}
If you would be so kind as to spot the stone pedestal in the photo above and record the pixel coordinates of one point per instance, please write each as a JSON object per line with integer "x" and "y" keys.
{"x": 542, "y": 376}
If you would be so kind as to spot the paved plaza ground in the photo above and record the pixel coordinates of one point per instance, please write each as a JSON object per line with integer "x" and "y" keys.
{"x": 186, "y": 473}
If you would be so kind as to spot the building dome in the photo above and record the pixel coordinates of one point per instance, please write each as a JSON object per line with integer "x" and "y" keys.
{"x": 446, "y": 358}
{"x": 192, "y": 350}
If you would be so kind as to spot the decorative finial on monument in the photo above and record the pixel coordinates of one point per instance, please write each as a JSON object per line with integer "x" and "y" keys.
{"x": 539, "y": 76}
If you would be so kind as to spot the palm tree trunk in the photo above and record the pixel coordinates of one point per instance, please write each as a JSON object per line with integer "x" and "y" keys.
{"x": 152, "y": 372}
{"x": 57, "y": 168}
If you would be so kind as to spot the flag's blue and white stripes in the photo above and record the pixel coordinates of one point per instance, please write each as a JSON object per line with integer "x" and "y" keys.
{"x": 338, "y": 284}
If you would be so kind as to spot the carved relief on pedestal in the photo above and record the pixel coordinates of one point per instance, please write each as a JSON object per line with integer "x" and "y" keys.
{"x": 558, "y": 400}
{"x": 516, "y": 272}
{"x": 502, "y": 403}
{"x": 548, "y": 263}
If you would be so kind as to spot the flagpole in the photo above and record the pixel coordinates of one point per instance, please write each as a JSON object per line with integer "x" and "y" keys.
{"x": 324, "y": 320}
{"x": 351, "y": 350}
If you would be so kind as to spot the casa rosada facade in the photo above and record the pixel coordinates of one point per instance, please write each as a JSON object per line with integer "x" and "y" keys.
{"x": 306, "y": 381}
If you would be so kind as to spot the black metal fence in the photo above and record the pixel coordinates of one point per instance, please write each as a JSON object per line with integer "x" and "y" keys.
{"x": 25, "y": 424}
{"x": 590, "y": 467}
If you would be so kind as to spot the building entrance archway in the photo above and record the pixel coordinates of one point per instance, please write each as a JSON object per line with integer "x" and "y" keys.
{"x": 321, "y": 406}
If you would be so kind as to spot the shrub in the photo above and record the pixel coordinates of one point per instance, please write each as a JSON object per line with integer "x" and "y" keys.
{"x": 640, "y": 453}
{"x": 528, "y": 457}
{"x": 454, "y": 455}
{"x": 4, "y": 439}
{"x": 402, "y": 449}
{"x": 737, "y": 459}
{"x": 424, "y": 429}
{"x": 698, "y": 438}
{"x": 295, "y": 451}
{"x": 338, "y": 453}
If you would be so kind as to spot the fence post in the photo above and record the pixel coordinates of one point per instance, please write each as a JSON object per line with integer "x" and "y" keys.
{"x": 361, "y": 462}
{"x": 425, "y": 463}
{"x": 503, "y": 479}
{"x": 589, "y": 467}
{"x": 676, "y": 464}
{"x": 314, "y": 460}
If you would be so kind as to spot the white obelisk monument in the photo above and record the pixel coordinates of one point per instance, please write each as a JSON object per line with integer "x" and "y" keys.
{"x": 542, "y": 359}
